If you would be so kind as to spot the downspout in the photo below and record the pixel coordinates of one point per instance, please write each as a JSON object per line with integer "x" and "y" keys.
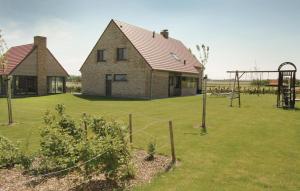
{"x": 151, "y": 72}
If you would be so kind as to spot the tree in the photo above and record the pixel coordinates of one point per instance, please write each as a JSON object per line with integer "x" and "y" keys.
{"x": 203, "y": 54}
{"x": 3, "y": 49}
{"x": 7, "y": 78}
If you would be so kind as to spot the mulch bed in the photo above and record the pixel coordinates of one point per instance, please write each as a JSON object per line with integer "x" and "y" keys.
{"x": 13, "y": 179}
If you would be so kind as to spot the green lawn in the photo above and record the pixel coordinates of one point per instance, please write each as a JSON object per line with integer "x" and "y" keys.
{"x": 255, "y": 147}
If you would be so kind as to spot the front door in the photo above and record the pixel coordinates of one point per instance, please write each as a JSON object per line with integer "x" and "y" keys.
{"x": 108, "y": 84}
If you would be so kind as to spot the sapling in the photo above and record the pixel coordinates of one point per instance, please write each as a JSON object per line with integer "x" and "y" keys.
{"x": 151, "y": 150}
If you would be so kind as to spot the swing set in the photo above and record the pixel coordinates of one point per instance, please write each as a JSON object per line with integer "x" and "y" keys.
{"x": 286, "y": 85}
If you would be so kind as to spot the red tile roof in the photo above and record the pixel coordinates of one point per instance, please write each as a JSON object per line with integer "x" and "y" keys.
{"x": 15, "y": 55}
{"x": 273, "y": 83}
{"x": 160, "y": 53}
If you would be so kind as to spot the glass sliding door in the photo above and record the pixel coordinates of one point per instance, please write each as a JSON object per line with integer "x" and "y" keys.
{"x": 56, "y": 84}
{"x": 51, "y": 85}
{"x": 25, "y": 85}
{"x": 59, "y": 85}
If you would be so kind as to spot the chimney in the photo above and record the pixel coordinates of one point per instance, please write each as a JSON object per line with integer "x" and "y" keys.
{"x": 40, "y": 44}
{"x": 165, "y": 33}
{"x": 40, "y": 41}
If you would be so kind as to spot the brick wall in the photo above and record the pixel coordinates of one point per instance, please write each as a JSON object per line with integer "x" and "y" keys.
{"x": 28, "y": 67}
{"x": 137, "y": 70}
{"x": 160, "y": 84}
{"x": 53, "y": 67}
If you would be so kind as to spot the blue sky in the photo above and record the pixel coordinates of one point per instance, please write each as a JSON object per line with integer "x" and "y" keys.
{"x": 241, "y": 34}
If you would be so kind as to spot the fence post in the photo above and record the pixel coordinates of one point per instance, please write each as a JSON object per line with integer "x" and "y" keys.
{"x": 130, "y": 128}
{"x": 172, "y": 142}
{"x": 85, "y": 145}
{"x": 85, "y": 126}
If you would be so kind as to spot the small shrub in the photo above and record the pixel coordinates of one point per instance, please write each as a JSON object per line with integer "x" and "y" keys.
{"x": 115, "y": 150}
{"x": 77, "y": 89}
{"x": 60, "y": 140}
{"x": 74, "y": 89}
{"x": 10, "y": 155}
{"x": 128, "y": 172}
{"x": 26, "y": 161}
{"x": 66, "y": 144}
{"x": 151, "y": 150}
{"x": 60, "y": 108}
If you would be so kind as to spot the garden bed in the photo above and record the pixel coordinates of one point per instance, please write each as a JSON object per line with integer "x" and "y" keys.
{"x": 13, "y": 179}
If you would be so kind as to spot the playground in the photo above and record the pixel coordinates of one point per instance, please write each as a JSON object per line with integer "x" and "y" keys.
{"x": 285, "y": 87}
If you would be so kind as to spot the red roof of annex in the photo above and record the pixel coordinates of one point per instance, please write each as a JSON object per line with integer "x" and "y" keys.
{"x": 14, "y": 56}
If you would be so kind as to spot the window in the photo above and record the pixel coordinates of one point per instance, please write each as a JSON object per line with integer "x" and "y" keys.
{"x": 101, "y": 55}
{"x": 109, "y": 77}
{"x": 175, "y": 56}
{"x": 188, "y": 82}
{"x": 178, "y": 82}
{"x": 120, "y": 77}
{"x": 25, "y": 85}
{"x": 55, "y": 84}
{"x": 121, "y": 54}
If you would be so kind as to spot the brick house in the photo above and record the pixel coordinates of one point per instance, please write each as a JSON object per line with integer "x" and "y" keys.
{"x": 34, "y": 69}
{"x": 128, "y": 61}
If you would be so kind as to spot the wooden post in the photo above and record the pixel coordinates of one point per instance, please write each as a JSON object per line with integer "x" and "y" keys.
{"x": 233, "y": 90}
{"x": 85, "y": 157}
{"x": 130, "y": 128}
{"x": 294, "y": 89}
{"x": 172, "y": 142}
{"x": 204, "y": 104}
{"x": 238, "y": 85}
{"x": 279, "y": 88}
{"x": 85, "y": 126}
{"x": 10, "y": 118}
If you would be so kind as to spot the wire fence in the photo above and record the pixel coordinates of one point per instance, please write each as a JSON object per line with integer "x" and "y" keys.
{"x": 140, "y": 134}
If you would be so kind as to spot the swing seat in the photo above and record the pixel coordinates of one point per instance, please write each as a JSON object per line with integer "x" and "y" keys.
{"x": 220, "y": 94}
{"x": 233, "y": 95}
{"x": 225, "y": 94}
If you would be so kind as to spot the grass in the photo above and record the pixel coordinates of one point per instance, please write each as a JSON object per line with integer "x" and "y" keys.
{"x": 255, "y": 147}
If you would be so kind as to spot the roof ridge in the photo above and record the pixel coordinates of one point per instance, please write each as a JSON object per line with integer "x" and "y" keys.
{"x": 22, "y": 45}
{"x": 169, "y": 38}
{"x": 116, "y": 22}
{"x": 151, "y": 31}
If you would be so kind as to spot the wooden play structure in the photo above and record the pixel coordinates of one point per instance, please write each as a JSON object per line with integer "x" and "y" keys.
{"x": 286, "y": 87}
